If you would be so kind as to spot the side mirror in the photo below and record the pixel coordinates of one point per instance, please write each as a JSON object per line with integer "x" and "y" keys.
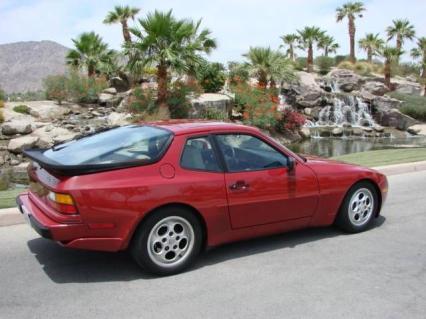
{"x": 291, "y": 163}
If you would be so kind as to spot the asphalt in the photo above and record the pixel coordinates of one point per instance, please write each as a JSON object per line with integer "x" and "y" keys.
{"x": 315, "y": 273}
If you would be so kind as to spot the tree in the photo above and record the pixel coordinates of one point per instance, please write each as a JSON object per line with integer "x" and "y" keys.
{"x": 328, "y": 44}
{"x": 372, "y": 44}
{"x": 401, "y": 30}
{"x": 308, "y": 37}
{"x": 121, "y": 14}
{"x": 350, "y": 10}
{"x": 290, "y": 40}
{"x": 268, "y": 66}
{"x": 56, "y": 88}
{"x": 90, "y": 53}
{"x": 420, "y": 53}
{"x": 168, "y": 44}
{"x": 211, "y": 76}
{"x": 391, "y": 55}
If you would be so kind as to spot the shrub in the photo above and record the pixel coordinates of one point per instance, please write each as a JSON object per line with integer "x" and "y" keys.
{"x": 345, "y": 65}
{"x": 1, "y": 104}
{"x": 56, "y": 88}
{"x": 412, "y": 105}
{"x": 290, "y": 121}
{"x": 1, "y": 116}
{"x": 340, "y": 58}
{"x": 178, "y": 101}
{"x": 238, "y": 73}
{"x": 142, "y": 102}
{"x": 324, "y": 64}
{"x": 361, "y": 67}
{"x": 406, "y": 69}
{"x": 213, "y": 114}
{"x": 22, "y": 108}
{"x": 84, "y": 89}
{"x": 211, "y": 77}
{"x": 300, "y": 63}
{"x": 258, "y": 106}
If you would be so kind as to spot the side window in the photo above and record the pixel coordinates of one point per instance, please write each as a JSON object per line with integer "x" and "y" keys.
{"x": 248, "y": 153}
{"x": 199, "y": 154}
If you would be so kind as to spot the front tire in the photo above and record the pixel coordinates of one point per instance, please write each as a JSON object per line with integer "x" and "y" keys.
{"x": 359, "y": 208}
{"x": 168, "y": 241}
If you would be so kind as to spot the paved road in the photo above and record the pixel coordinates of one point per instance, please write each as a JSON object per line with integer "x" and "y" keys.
{"x": 319, "y": 273}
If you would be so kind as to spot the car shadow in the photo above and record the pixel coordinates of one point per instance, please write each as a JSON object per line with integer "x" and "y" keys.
{"x": 64, "y": 265}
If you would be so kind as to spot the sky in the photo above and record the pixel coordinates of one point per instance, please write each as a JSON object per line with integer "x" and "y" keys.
{"x": 236, "y": 24}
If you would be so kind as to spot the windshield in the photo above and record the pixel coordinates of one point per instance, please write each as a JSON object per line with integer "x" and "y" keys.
{"x": 119, "y": 145}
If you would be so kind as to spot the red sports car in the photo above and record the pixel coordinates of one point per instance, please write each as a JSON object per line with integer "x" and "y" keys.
{"x": 167, "y": 190}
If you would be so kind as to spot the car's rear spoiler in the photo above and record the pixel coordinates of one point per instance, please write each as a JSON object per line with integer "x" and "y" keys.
{"x": 71, "y": 170}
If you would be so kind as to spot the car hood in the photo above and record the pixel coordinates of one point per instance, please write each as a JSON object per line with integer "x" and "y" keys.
{"x": 317, "y": 162}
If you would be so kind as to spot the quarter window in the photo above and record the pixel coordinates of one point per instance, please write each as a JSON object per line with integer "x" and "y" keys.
{"x": 199, "y": 154}
{"x": 248, "y": 153}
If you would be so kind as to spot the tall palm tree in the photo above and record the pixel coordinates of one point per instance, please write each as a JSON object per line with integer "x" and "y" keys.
{"x": 372, "y": 44}
{"x": 420, "y": 53}
{"x": 308, "y": 37}
{"x": 351, "y": 10}
{"x": 290, "y": 40}
{"x": 401, "y": 30}
{"x": 391, "y": 55}
{"x": 328, "y": 44}
{"x": 121, "y": 14}
{"x": 90, "y": 53}
{"x": 169, "y": 44}
{"x": 268, "y": 66}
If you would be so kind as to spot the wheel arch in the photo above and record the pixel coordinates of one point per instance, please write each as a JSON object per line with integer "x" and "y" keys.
{"x": 187, "y": 207}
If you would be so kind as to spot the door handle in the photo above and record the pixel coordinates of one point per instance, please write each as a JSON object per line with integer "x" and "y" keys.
{"x": 239, "y": 185}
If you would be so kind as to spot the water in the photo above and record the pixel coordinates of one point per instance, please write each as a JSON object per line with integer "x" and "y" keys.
{"x": 329, "y": 147}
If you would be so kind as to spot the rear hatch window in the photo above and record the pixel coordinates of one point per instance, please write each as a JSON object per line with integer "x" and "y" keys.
{"x": 119, "y": 147}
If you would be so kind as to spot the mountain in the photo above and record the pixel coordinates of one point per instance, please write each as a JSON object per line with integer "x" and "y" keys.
{"x": 23, "y": 65}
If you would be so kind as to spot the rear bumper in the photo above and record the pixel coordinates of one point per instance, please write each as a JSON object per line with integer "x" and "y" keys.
{"x": 68, "y": 235}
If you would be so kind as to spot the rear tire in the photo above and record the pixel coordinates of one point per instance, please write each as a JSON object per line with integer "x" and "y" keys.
{"x": 168, "y": 241}
{"x": 359, "y": 208}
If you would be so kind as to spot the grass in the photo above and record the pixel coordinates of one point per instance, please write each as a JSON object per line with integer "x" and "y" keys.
{"x": 412, "y": 105}
{"x": 22, "y": 108}
{"x": 7, "y": 197}
{"x": 385, "y": 157}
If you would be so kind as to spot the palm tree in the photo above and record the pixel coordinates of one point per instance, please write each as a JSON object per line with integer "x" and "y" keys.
{"x": 268, "y": 66}
{"x": 420, "y": 53}
{"x": 351, "y": 10}
{"x": 90, "y": 53}
{"x": 307, "y": 38}
{"x": 401, "y": 30}
{"x": 391, "y": 55}
{"x": 372, "y": 44}
{"x": 121, "y": 14}
{"x": 290, "y": 40}
{"x": 169, "y": 44}
{"x": 328, "y": 44}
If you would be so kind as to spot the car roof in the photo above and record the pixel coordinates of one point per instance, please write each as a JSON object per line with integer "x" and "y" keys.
{"x": 183, "y": 127}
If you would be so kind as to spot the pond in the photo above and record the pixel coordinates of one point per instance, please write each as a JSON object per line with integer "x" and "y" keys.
{"x": 329, "y": 147}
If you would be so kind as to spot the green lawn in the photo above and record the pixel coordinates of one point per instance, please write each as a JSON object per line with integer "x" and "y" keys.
{"x": 385, "y": 157}
{"x": 7, "y": 198}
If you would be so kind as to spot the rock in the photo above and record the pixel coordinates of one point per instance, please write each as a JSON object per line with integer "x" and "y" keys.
{"x": 394, "y": 118}
{"x": 324, "y": 131}
{"x": 310, "y": 98}
{"x": 16, "y": 127}
{"x": 375, "y": 88}
{"x": 367, "y": 129}
{"x": 337, "y": 131}
{"x": 417, "y": 129}
{"x": 111, "y": 90}
{"x": 357, "y": 131}
{"x": 346, "y": 80}
{"x": 219, "y": 103}
{"x": 119, "y": 84}
{"x": 109, "y": 100}
{"x": 385, "y": 103}
{"x": 4, "y": 179}
{"x": 305, "y": 132}
{"x": 20, "y": 174}
{"x": 16, "y": 145}
{"x": 46, "y": 138}
{"x": 378, "y": 128}
{"x": 407, "y": 87}
{"x": 308, "y": 80}
{"x": 315, "y": 112}
{"x": 47, "y": 110}
{"x": 307, "y": 111}
{"x": 119, "y": 119}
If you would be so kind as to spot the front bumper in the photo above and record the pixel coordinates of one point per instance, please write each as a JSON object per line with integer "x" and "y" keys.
{"x": 69, "y": 235}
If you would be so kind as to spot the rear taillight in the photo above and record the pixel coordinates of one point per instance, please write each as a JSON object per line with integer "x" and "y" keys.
{"x": 63, "y": 203}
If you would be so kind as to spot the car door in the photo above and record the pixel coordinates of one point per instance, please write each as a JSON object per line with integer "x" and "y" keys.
{"x": 260, "y": 187}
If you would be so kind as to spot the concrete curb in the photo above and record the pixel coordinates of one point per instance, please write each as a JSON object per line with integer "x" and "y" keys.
{"x": 12, "y": 216}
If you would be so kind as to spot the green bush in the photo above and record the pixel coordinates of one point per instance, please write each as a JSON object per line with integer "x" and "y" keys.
{"x": 56, "y": 87}
{"x": 324, "y": 64}
{"x": 211, "y": 77}
{"x": 1, "y": 116}
{"x": 406, "y": 69}
{"x": 142, "y": 102}
{"x": 84, "y": 89}
{"x": 22, "y": 108}
{"x": 178, "y": 101}
{"x": 1, "y": 104}
{"x": 238, "y": 73}
{"x": 300, "y": 63}
{"x": 412, "y": 105}
{"x": 213, "y": 114}
{"x": 340, "y": 58}
{"x": 361, "y": 67}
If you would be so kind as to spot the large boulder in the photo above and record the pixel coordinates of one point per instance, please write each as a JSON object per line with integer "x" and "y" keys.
{"x": 346, "y": 80}
{"x": 375, "y": 88}
{"x": 110, "y": 97}
{"x": 47, "y": 110}
{"x": 115, "y": 119}
{"x": 407, "y": 87}
{"x": 417, "y": 129}
{"x": 211, "y": 102}
{"x": 385, "y": 103}
{"x": 16, "y": 145}
{"x": 49, "y": 135}
{"x": 394, "y": 118}
{"x": 310, "y": 98}
{"x": 120, "y": 84}
{"x": 16, "y": 127}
